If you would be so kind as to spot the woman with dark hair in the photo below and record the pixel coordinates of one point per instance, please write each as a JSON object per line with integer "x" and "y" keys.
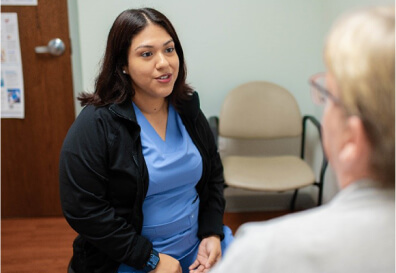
{"x": 141, "y": 180}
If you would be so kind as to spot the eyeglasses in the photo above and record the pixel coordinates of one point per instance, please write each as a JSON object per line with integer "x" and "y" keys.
{"x": 319, "y": 92}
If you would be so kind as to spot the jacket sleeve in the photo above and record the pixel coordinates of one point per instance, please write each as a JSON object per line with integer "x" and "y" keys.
{"x": 212, "y": 196}
{"x": 84, "y": 179}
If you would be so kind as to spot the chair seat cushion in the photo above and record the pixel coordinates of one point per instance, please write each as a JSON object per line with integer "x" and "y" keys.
{"x": 278, "y": 173}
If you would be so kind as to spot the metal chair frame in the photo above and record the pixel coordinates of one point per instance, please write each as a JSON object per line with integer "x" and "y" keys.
{"x": 214, "y": 125}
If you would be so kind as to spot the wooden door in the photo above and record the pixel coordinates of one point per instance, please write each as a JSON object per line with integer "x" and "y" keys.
{"x": 30, "y": 147}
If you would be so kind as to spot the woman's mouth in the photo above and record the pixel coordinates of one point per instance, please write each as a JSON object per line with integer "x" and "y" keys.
{"x": 164, "y": 78}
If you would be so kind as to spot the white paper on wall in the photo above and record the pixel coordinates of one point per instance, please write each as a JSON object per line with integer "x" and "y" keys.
{"x": 12, "y": 90}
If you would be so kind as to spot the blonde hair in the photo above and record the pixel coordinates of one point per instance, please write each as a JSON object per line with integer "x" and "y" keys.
{"x": 360, "y": 54}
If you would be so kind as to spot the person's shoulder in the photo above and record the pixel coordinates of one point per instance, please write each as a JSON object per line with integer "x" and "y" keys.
{"x": 303, "y": 222}
{"x": 191, "y": 105}
{"x": 94, "y": 111}
{"x": 193, "y": 99}
{"x": 91, "y": 115}
{"x": 93, "y": 120}
{"x": 265, "y": 245}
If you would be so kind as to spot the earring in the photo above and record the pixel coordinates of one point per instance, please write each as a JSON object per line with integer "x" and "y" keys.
{"x": 123, "y": 71}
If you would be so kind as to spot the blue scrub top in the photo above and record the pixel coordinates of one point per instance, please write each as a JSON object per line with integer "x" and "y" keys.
{"x": 171, "y": 206}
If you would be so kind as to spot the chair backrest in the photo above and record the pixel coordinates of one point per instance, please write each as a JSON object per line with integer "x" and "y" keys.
{"x": 260, "y": 110}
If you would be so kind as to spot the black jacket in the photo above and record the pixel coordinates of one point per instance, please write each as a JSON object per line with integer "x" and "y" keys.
{"x": 104, "y": 180}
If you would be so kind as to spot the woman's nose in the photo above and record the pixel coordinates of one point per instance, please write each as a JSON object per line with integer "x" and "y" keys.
{"x": 162, "y": 61}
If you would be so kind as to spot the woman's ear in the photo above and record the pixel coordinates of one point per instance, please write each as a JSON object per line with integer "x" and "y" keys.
{"x": 356, "y": 147}
{"x": 125, "y": 69}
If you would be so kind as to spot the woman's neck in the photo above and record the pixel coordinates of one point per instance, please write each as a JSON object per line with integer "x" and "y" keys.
{"x": 152, "y": 106}
{"x": 156, "y": 113}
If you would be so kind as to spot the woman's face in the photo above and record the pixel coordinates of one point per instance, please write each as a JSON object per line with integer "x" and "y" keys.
{"x": 153, "y": 63}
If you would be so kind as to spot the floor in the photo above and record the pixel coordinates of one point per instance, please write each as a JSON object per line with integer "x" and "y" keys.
{"x": 41, "y": 245}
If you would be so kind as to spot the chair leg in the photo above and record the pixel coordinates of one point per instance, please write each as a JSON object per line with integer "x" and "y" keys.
{"x": 320, "y": 194}
{"x": 293, "y": 202}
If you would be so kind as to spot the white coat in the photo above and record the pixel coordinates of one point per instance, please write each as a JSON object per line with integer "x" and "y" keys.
{"x": 355, "y": 232}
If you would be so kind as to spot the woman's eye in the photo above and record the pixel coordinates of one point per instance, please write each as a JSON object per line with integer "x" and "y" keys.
{"x": 170, "y": 49}
{"x": 146, "y": 54}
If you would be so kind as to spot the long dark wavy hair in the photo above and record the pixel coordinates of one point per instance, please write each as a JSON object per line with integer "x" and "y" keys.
{"x": 111, "y": 85}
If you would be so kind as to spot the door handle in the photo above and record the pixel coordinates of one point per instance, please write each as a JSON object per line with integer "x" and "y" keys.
{"x": 55, "y": 47}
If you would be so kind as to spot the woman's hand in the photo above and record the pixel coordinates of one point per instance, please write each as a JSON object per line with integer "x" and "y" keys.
{"x": 167, "y": 264}
{"x": 209, "y": 253}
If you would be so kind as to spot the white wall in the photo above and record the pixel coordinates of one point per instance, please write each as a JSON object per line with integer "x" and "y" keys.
{"x": 226, "y": 43}
{"x": 76, "y": 52}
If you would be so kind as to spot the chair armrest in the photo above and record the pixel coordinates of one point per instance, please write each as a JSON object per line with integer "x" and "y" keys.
{"x": 214, "y": 126}
{"x": 318, "y": 126}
